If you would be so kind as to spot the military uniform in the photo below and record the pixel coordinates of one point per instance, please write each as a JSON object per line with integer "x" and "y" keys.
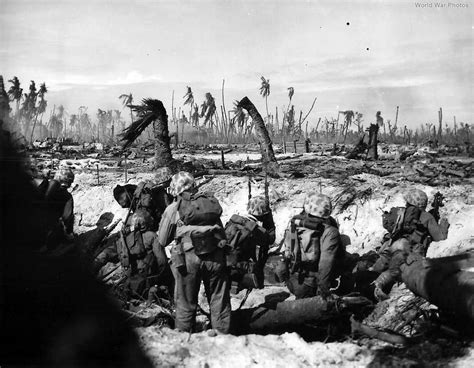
{"x": 316, "y": 274}
{"x": 141, "y": 256}
{"x": 189, "y": 268}
{"x": 393, "y": 254}
{"x": 253, "y": 235}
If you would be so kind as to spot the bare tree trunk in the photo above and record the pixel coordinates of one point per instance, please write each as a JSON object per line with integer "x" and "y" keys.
{"x": 260, "y": 129}
{"x": 163, "y": 156}
{"x": 373, "y": 141}
{"x": 440, "y": 129}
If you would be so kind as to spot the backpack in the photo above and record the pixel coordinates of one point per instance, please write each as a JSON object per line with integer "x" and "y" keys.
{"x": 239, "y": 231}
{"x": 404, "y": 222}
{"x": 201, "y": 209}
{"x": 303, "y": 243}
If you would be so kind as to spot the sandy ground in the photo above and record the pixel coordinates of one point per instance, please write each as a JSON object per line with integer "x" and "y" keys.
{"x": 360, "y": 221}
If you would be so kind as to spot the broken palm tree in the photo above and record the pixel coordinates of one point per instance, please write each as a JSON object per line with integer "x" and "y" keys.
{"x": 268, "y": 156}
{"x": 151, "y": 111}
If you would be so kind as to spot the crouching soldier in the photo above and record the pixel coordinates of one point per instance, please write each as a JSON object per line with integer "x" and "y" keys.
{"x": 150, "y": 195}
{"x": 249, "y": 238}
{"x": 140, "y": 255}
{"x": 197, "y": 253}
{"x": 314, "y": 252}
{"x": 411, "y": 230}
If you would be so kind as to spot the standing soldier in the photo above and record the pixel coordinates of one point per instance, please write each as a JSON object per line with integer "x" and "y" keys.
{"x": 313, "y": 250}
{"x": 193, "y": 221}
{"x": 249, "y": 239}
{"x": 411, "y": 230}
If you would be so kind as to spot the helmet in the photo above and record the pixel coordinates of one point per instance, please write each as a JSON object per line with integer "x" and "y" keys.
{"x": 105, "y": 219}
{"x": 141, "y": 220}
{"x": 258, "y": 206}
{"x": 163, "y": 174}
{"x": 180, "y": 182}
{"x": 65, "y": 176}
{"x": 317, "y": 204}
{"x": 416, "y": 198}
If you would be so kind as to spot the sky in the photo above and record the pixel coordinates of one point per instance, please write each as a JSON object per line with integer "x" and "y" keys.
{"x": 362, "y": 55}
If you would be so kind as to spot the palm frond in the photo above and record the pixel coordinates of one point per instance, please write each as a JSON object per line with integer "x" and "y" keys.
{"x": 291, "y": 92}
{"x": 265, "y": 87}
{"x": 189, "y": 97}
{"x": 147, "y": 112}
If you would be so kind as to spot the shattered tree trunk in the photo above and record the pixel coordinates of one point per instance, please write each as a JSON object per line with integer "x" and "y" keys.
{"x": 262, "y": 133}
{"x": 373, "y": 142}
{"x": 359, "y": 149}
{"x": 442, "y": 283}
{"x": 163, "y": 156}
{"x": 282, "y": 316}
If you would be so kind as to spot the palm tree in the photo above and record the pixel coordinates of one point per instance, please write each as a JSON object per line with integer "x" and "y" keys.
{"x": 189, "y": 100}
{"x": 41, "y": 107}
{"x": 16, "y": 93}
{"x": 127, "y": 101}
{"x": 265, "y": 92}
{"x": 208, "y": 108}
{"x": 4, "y": 101}
{"x": 151, "y": 111}
{"x": 262, "y": 134}
{"x": 28, "y": 108}
{"x": 291, "y": 92}
{"x": 348, "y": 116}
{"x": 239, "y": 114}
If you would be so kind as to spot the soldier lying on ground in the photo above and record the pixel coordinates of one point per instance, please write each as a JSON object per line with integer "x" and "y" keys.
{"x": 141, "y": 256}
{"x": 412, "y": 229}
{"x": 249, "y": 238}
{"x": 193, "y": 221}
{"x": 314, "y": 253}
{"x": 53, "y": 312}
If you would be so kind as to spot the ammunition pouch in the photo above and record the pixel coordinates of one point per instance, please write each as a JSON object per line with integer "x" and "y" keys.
{"x": 204, "y": 243}
{"x": 178, "y": 258}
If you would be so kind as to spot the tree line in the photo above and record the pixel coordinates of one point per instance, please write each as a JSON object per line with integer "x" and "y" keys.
{"x": 210, "y": 122}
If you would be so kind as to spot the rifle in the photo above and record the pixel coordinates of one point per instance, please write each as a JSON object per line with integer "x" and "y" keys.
{"x": 436, "y": 204}
{"x": 295, "y": 247}
{"x": 266, "y": 189}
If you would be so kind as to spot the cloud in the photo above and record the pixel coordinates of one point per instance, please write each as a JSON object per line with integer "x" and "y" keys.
{"x": 74, "y": 80}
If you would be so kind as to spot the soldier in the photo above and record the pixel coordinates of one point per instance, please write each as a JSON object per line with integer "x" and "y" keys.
{"x": 59, "y": 203}
{"x": 140, "y": 255}
{"x": 89, "y": 242}
{"x": 314, "y": 250}
{"x": 412, "y": 230}
{"x": 249, "y": 239}
{"x": 151, "y": 196}
{"x": 197, "y": 253}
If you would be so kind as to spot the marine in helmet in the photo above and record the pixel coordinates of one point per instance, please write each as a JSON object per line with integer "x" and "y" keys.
{"x": 141, "y": 256}
{"x": 314, "y": 252}
{"x": 249, "y": 237}
{"x": 149, "y": 195}
{"x": 192, "y": 226}
{"x": 411, "y": 230}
